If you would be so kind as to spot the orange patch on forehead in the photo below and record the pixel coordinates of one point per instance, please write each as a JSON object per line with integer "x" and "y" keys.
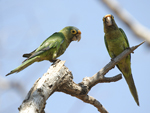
{"x": 108, "y": 15}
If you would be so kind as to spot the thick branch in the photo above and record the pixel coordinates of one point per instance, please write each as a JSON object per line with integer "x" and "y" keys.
{"x": 80, "y": 91}
{"x": 137, "y": 28}
{"x": 59, "y": 78}
{"x": 44, "y": 87}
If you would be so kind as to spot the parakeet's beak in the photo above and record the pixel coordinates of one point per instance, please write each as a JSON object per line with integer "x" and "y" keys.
{"x": 77, "y": 37}
{"x": 108, "y": 21}
{"x": 79, "y": 32}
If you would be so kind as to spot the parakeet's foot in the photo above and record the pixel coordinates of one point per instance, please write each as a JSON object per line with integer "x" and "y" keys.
{"x": 55, "y": 61}
{"x": 113, "y": 67}
{"x": 112, "y": 59}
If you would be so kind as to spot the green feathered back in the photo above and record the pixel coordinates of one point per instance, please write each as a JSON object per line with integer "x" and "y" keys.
{"x": 54, "y": 46}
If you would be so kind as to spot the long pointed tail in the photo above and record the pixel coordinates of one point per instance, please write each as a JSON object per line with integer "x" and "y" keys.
{"x": 132, "y": 88}
{"x": 23, "y": 65}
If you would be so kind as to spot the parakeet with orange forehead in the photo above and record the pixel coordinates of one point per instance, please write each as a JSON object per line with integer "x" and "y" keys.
{"x": 116, "y": 42}
{"x": 54, "y": 46}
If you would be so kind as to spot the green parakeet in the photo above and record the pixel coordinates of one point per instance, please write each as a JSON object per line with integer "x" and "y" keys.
{"x": 116, "y": 42}
{"x": 54, "y": 46}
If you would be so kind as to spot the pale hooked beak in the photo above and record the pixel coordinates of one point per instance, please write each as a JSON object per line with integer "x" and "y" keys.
{"x": 77, "y": 37}
{"x": 108, "y": 21}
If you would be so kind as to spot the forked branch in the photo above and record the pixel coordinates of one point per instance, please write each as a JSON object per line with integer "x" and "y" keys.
{"x": 59, "y": 78}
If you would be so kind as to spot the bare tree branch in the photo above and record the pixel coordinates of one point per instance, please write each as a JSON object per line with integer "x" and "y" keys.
{"x": 80, "y": 91}
{"x": 59, "y": 78}
{"x": 94, "y": 102}
{"x": 43, "y": 88}
{"x": 18, "y": 86}
{"x": 137, "y": 28}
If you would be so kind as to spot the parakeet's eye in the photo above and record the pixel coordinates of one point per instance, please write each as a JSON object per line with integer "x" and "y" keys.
{"x": 112, "y": 17}
{"x": 73, "y": 31}
{"x": 103, "y": 19}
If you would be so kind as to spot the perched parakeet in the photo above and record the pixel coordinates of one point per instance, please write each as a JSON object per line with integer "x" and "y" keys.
{"x": 51, "y": 48}
{"x": 116, "y": 42}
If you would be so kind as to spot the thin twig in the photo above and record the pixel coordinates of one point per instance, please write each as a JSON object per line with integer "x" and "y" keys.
{"x": 93, "y": 101}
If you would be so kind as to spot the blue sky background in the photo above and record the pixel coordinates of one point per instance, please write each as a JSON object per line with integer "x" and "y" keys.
{"x": 24, "y": 25}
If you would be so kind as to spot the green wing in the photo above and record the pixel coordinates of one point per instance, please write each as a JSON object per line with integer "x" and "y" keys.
{"x": 107, "y": 46}
{"x": 124, "y": 36}
{"x": 126, "y": 39}
{"x": 54, "y": 41}
{"x": 28, "y": 54}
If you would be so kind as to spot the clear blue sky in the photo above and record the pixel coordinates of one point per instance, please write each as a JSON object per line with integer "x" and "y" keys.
{"x": 24, "y": 25}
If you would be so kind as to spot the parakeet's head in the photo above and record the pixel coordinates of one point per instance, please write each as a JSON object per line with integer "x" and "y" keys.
{"x": 109, "y": 22}
{"x": 71, "y": 33}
